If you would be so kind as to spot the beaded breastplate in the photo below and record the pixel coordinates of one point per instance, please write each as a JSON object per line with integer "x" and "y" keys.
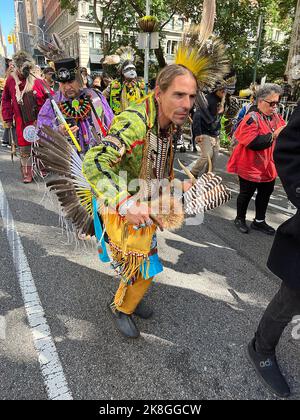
{"x": 156, "y": 164}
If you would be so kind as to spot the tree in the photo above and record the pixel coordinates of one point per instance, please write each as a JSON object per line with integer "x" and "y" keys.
{"x": 236, "y": 24}
{"x": 120, "y": 15}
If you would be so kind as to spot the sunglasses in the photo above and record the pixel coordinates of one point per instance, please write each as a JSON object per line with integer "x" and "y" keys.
{"x": 272, "y": 104}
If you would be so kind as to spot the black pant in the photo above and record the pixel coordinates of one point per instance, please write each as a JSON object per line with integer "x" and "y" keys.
{"x": 247, "y": 189}
{"x": 280, "y": 311}
{"x": 5, "y": 139}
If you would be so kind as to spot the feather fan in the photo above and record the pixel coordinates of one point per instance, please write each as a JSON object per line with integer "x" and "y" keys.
{"x": 71, "y": 188}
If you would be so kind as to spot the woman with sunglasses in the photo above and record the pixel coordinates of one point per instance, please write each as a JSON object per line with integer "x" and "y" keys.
{"x": 252, "y": 158}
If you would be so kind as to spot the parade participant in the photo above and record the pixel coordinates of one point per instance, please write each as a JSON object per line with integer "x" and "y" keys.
{"x": 284, "y": 262}
{"x": 22, "y": 98}
{"x": 120, "y": 93}
{"x": 85, "y": 110}
{"x": 286, "y": 90}
{"x": 251, "y": 93}
{"x": 98, "y": 82}
{"x": 48, "y": 73}
{"x": 207, "y": 127}
{"x": 231, "y": 106}
{"x": 139, "y": 143}
{"x": 86, "y": 78}
{"x": 128, "y": 170}
{"x": 6, "y": 135}
{"x": 252, "y": 158}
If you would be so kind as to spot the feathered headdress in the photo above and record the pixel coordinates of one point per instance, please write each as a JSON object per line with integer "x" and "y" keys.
{"x": 22, "y": 59}
{"x": 123, "y": 56}
{"x": 228, "y": 83}
{"x": 25, "y": 65}
{"x": 202, "y": 53}
{"x": 54, "y": 50}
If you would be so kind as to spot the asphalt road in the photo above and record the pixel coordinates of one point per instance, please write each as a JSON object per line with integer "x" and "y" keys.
{"x": 207, "y": 304}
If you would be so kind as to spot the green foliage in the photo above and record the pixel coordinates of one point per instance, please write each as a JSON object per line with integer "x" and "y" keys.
{"x": 224, "y": 139}
{"x": 71, "y": 5}
{"x": 236, "y": 24}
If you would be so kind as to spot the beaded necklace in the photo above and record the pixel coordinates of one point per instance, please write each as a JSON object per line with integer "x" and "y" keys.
{"x": 78, "y": 109}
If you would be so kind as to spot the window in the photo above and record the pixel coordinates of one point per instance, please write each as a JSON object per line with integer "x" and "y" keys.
{"x": 173, "y": 23}
{"x": 277, "y": 34}
{"x": 91, "y": 40}
{"x": 169, "y": 47}
{"x": 98, "y": 41}
{"x": 174, "y": 47}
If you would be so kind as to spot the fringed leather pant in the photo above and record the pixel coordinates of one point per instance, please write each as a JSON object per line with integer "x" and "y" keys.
{"x": 128, "y": 297}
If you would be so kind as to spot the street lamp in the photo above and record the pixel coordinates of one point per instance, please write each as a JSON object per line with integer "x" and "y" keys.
{"x": 36, "y": 26}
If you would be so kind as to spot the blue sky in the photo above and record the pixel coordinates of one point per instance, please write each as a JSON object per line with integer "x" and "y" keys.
{"x": 7, "y": 20}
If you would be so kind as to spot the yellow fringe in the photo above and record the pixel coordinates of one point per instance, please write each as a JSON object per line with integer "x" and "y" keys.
{"x": 130, "y": 248}
{"x": 120, "y": 295}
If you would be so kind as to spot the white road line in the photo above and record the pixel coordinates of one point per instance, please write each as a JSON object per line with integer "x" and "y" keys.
{"x": 52, "y": 371}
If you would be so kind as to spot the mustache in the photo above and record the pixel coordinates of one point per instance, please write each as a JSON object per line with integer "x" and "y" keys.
{"x": 182, "y": 111}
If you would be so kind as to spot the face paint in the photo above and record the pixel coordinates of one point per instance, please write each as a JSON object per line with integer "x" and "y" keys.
{"x": 131, "y": 74}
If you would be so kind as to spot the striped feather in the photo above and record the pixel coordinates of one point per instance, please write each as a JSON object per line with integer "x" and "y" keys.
{"x": 208, "y": 193}
{"x": 71, "y": 188}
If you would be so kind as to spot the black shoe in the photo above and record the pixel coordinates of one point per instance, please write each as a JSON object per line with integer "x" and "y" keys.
{"x": 124, "y": 323}
{"x": 263, "y": 227}
{"x": 241, "y": 225}
{"x": 143, "y": 311}
{"x": 268, "y": 371}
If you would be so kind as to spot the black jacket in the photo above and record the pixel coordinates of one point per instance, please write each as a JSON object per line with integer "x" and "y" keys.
{"x": 206, "y": 119}
{"x": 284, "y": 259}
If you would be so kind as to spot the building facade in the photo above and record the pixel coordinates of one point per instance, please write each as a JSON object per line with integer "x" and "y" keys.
{"x": 24, "y": 41}
{"x": 3, "y": 49}
{"x": 82, "y": 37}
{"x": 30, "y": 26}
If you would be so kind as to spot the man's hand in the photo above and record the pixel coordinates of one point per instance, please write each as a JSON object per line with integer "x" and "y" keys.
{"x": 8, "y": 124}
{"x": 62, "y": 129}
{"x": 138, "y": 214}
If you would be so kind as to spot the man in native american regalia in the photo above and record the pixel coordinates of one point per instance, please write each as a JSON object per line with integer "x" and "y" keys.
{"x": 23, "y": 96}
{"x": 131, "y": 175}
{"x": 85, "y": 110}
{"x": 82, "y": 113}
{"x": 139, "y": 144}
{"x": 120, "y": 93}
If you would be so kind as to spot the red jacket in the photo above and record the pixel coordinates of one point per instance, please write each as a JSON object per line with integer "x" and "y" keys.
{"x": 11, "y": 110}
{"x": 254, "y": 165}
